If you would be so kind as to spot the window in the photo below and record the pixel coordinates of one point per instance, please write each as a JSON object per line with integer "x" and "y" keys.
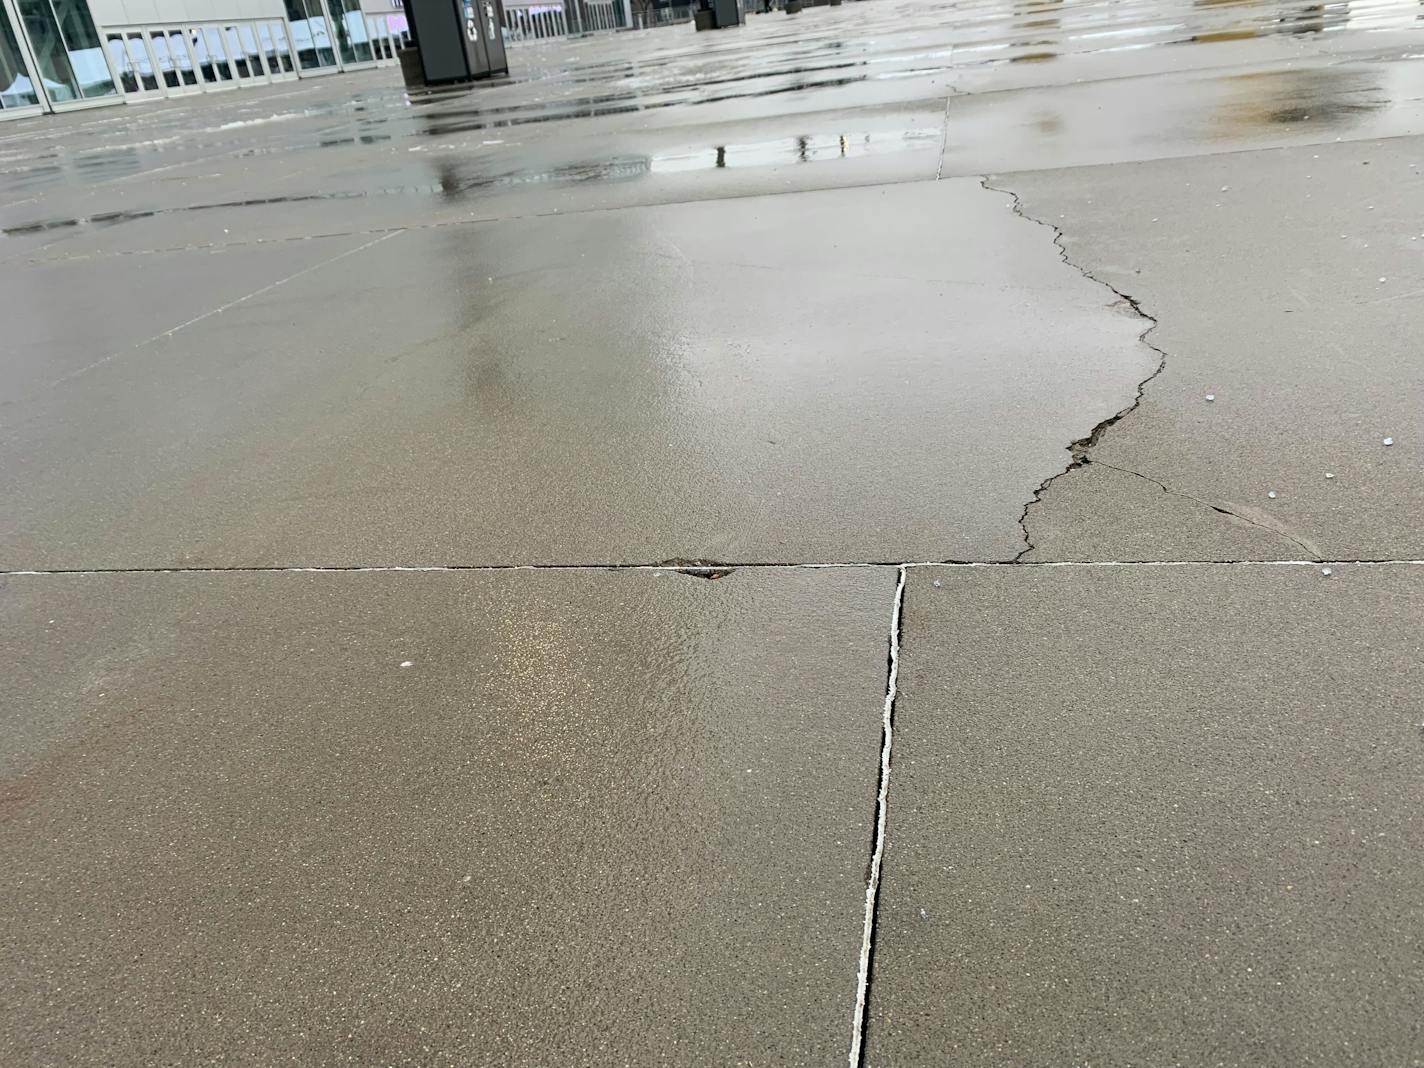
{"x": 213, "y": 39}
{"x": 284, "y": 47}
{"x": 128, "y": 78}
{"x": 351, "y": 31}
{"x": 310, "y": 34}
{"x": 249, "y": 45}
{"x": 202, "y": 59}
{"x": 143, "y": 66}
{"x": 179, "y": 48}
{"x": 16, "y": 88}
{"x": 235, "y": 54}
{"x": 67, "y": 49}
{"x": 167, "y": 69}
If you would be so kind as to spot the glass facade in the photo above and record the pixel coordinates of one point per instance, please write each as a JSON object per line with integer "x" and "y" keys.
{"x": 67, "y": 49}
{"x": 311, "y": 34}
{"x": 274, "y": 46}
{"x": 51, "y": 52}
{"x": 351, "y": 35}
{"x": 17, "y": 90}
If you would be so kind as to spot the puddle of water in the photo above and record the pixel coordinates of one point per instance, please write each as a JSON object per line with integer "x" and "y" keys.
{"x": 454, "y": 181}
{"x": 807, "y": 149}
{"x": 1327, "y": 96}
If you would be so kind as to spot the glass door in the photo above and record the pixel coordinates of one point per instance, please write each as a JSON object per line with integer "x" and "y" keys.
{"x": 134, "y": 64}
{"x": 167, "y": 65}
{"x": 72, "y": 64}
{"x": 17, "y": 86}
{"x": 215, "y": 52}
{"x": 311, "y": 35}
{"x": 352, "y": 39}
{"x": 273, "y": 37}
{"x": 237, "y": 55}
{"x": 247, "y": 34}
{"x": 176, "y": 48}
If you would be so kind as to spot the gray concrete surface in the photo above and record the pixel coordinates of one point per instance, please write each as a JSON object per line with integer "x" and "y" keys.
{"x": 624, "y": 387}
{"x": 896, "y": 282}
{"x": 601, "y": 817}
{"x": 1287, "y": 287}
{"x": 1163, "y": 815}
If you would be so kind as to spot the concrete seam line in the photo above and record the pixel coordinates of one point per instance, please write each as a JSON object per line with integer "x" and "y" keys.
{"x": 944, "y": 135}
{"x": 877, "y": 853}
{"x": 664, "y": 568}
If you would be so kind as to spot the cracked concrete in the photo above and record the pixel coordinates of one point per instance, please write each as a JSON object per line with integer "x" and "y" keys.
{"x": 359, "y": 707}
{"x": 877, "y": 848}
{"x": 1298, "y": 338}
{"x": 1079, "y": 448}
{"x": 1154, "y": 815}
{"x": 673, "y": 402}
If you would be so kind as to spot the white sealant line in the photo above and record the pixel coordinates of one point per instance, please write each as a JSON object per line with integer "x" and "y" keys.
{"x": 872, "y": 884}
{"x": 356, "y": 569}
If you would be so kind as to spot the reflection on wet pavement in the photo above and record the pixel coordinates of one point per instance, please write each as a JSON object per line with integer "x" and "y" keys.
{"x": 429, "y": 396}
{"x": 662, "y": 106}
{"x": 455, "y": 180}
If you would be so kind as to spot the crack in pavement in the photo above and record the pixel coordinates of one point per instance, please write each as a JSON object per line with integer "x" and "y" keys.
{"x": 877, "y": 847}
{"x": 1079, "y": 448}
{"x": 1311, "y": 549}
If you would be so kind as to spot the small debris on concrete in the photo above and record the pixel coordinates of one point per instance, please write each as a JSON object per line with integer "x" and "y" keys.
{"x": 1389, "y": 441}
{"x": 1211, "y": 396}
{"x": 1329, "y": 474}
{"x": 1271, "y": 494}
{"x": 407, "y": 663}
{"x": 1326, "y": 572}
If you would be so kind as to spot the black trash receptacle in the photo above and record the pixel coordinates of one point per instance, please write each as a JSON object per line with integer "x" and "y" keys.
{"x": 717, "y": 14}
{"x": 458, "y": 40}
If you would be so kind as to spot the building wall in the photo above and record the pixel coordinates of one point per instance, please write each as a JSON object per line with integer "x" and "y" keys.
{"x": 151, "y": 12}
{"x": 138, "y": 50}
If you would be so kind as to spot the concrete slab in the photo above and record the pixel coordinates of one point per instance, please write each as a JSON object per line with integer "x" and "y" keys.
{"x": 853, "y": 375}
{"x": 418, "y": 169}
{"x": 1184, "y": 114}
{"x": 600, "y": 817}
{"x": 1285, "y": 285}
{"x": 63, "y": 317}
{"x": 1155, "y": 815}
{"x": 1096, "y": 510}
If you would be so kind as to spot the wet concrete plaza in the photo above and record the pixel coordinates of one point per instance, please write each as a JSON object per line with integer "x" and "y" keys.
{"x": 884, "y": 536}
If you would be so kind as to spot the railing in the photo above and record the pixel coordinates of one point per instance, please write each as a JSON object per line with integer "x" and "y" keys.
{"x": 535, "y": 23}
{"x": 538, "y": 22}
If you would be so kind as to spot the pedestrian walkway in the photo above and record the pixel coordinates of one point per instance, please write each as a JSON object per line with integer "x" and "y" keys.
{"x": 886, "y": 535}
